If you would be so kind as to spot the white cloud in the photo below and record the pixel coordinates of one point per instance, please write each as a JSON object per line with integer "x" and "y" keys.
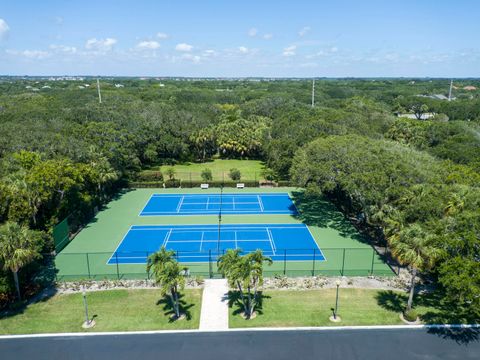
{"x": 304, "y": 31}
{"x": 30, "y": 54}
{"x": 243, "y": 49}
{"x": 252, "y": 32}
{"x": 102, "y": 45}
{"x": 4, "y": 29}
{"x": 193, "y": 58}
{"x": 289, "y": 50}
{"x": 184, "y": 47}
{"x": 209, "y": 53}
{"x": 267, "y": 36}
{"x": 58, "y": 20}
{"x": 162, "y": 35}
{"x": 148, "y": 45}
{"x": 64, "y": 49}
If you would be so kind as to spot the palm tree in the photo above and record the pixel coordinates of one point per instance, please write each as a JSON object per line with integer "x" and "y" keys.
{"x": 18, "y": 247}
{"x": 246, "y": 274}
{"x": 169, "y": 275}
{"x": 415, "y": 248}
{"x": 170, "y": 172}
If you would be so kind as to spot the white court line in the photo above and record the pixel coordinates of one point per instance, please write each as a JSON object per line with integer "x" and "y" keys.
{"x": 217, "y": 203}
{"x": 214, "y": 241}
{"x": 180, "y": 203}
{"x": 120, "y": 243}
{"x": 201, "y": 240}
{"x": 315, "y": 241}
{"x": 236, "y": 243}
{"x": 233, "y": 202}
{"x": 165, "y": 240}
{"x": 208, "y": 202}
{"x": 260, "y": 203}
{"x": 272, "y": 244}
{"x": 213, "y": 227}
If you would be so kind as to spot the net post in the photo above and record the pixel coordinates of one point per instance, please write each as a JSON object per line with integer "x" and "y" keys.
{"x": 343, "y": 262}
{"x": 88, "y": 265}
{"x": 284, "y": 261}
{"x": 313, "y": 263}
{"x": 116, "y": 261}
{"x": 210, "y": 263}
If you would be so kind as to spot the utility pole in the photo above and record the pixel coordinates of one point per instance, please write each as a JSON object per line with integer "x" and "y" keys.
{"x": 99, "y": 93}
{"x": 450, "y": 91}
{"x": 313, "y": 93}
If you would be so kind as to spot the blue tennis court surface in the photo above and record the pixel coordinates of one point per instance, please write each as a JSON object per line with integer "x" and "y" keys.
{"x": 205, "y": 204}
{"x": 199, "y": 243}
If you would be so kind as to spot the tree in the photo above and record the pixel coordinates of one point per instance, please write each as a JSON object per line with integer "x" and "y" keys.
{"x": 19, "y": 246}
{"x": 207, "y": 175}
{"x": 170, "y": 172}
{"x": 415, "y": 248}
{"x": 246, "y": 274}
{"x": 169, "y": 275}
{"x": 235, "y": 174}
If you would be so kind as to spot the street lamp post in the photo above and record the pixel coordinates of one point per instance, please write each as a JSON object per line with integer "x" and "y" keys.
{"x": 336, "y": 300}
{"x": 88, "y": 323}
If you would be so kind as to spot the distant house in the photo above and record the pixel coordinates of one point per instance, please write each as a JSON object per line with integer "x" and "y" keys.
{"x": 424, "y": 116}
{"x": 119, "y": 86}
{"x": 436, "y": 96}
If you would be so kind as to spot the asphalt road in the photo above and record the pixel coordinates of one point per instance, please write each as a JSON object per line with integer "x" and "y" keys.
{"x": 405, "y": 344}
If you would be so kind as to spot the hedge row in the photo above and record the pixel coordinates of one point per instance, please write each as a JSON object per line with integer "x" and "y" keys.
{"x": 175, "y": 183}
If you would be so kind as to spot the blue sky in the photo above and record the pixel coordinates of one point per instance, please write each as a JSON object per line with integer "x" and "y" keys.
{"x": 363, "y": 38}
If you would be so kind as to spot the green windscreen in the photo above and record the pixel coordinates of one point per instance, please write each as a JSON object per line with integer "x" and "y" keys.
{"x": 60, "y": 235}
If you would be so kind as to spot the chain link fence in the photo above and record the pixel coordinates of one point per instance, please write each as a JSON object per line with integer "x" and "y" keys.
{"x": 121, "y": 265}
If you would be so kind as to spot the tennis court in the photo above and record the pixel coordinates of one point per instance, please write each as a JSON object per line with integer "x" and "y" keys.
{"x": 208, "y": 204}
{"x": 201, "y": 243}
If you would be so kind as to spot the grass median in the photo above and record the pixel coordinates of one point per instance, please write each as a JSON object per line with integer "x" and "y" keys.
{"x": 284, "y": 308}
{"x": 113, "y": 310}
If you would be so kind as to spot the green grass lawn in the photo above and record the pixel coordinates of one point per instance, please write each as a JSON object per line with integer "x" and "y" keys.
{"x": 356, "y": 307}
{"x": 249, "y": 169}
{"x": 113, "y": 310}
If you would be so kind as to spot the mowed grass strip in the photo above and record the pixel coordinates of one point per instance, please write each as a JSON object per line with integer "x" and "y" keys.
{"x": 284, "y": 308}
{"x": 249, "y": 169}
{"x": 113, "y": 310}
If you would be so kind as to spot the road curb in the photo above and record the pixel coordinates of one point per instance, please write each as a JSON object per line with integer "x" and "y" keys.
{"x": 266, "y": 329}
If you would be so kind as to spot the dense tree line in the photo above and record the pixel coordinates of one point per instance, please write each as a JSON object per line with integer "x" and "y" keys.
{"x": 61, "y": 152}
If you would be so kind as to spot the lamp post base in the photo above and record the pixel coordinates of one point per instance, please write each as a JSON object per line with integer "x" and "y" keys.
{"x": 335, "y": 319}
{"x": 88, "y": 324}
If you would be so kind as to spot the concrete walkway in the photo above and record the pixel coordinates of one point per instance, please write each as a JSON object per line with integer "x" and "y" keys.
{"x": 214, "y": 313}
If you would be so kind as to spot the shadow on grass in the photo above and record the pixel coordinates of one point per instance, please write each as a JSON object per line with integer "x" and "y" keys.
{"x": 315, "y": 210}
{"x": 235, "y": 300}
{"x": 438, "y": 311}
{"x": 166, "y": 302}
{"x": 19, "y": 307}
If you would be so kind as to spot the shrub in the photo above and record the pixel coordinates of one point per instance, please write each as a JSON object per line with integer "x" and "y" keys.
{"x": 269, "y": 174}
{"x": 410, "y": 315}
{"x": 207, "y": 174}
{"x": 150, "y": 176}
{"x": 235, "y": 174}
{"x": 172, "y": 183}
